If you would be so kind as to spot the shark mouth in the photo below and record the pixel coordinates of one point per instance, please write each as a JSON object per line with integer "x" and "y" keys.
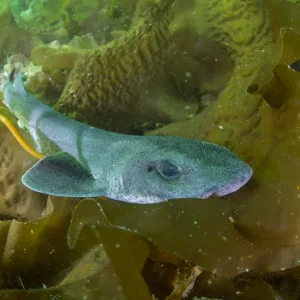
{"x": 230, "y": 188}
{"x": 227, "y": 188}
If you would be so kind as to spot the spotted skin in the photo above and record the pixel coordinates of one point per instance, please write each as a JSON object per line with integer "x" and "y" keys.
{"x": 84, "y": 161}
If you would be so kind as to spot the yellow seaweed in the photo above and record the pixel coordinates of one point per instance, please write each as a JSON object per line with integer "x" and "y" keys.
{"x": 257, "y": 227}
{"x": 271, "y": 87}
{"x": 236, "y": 117}
{"x": 126, "y": 251}
{"x": 53, "y": 58}
{"x": 15, "y": 199}
{"x": 97, "y": 282}
{"x": 108, "y": 82}
{"x": 28, "y": 238}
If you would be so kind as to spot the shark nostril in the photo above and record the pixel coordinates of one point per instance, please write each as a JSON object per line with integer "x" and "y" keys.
{"x": 150, "y": 168}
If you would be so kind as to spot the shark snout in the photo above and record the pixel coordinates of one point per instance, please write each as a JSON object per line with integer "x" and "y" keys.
{"x": 235, "y": 184}
{"x": 237, "y": 181}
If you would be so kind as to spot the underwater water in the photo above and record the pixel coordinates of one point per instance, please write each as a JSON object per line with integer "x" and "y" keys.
{"x": 220, "y": 71}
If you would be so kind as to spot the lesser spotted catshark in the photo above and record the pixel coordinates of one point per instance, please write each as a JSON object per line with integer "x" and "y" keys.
{"x": 84, "y": 161}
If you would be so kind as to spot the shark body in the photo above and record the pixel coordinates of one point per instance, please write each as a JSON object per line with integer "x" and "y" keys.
{"x": 84, "y": 161}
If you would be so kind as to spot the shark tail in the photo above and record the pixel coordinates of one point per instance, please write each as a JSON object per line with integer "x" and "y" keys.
{"x": 15, "y": 89}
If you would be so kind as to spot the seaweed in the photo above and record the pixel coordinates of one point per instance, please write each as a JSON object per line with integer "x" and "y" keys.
{"x": 219, "y": 248}
{"x": 38, "y": 16}
{"x": 257, "y": 228}
{"x": 127, "y": 251}
{"x": 107, "y": 83}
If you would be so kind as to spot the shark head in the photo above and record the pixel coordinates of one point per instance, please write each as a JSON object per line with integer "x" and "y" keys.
{"x": 162, "y": 168}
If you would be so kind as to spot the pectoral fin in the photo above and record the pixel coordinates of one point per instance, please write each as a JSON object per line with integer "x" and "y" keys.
{"x": 62, "y": 175}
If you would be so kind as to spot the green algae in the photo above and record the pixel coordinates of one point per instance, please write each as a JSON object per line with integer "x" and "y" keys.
{"x": 256, "y": 228}
{"x": 38, "y": 15}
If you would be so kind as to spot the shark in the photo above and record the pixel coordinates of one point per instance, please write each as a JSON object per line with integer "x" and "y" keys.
{"x": 78, "y": 160}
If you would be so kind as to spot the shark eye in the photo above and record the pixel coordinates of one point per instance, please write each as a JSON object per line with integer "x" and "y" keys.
{"x": 168, "y": 170}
